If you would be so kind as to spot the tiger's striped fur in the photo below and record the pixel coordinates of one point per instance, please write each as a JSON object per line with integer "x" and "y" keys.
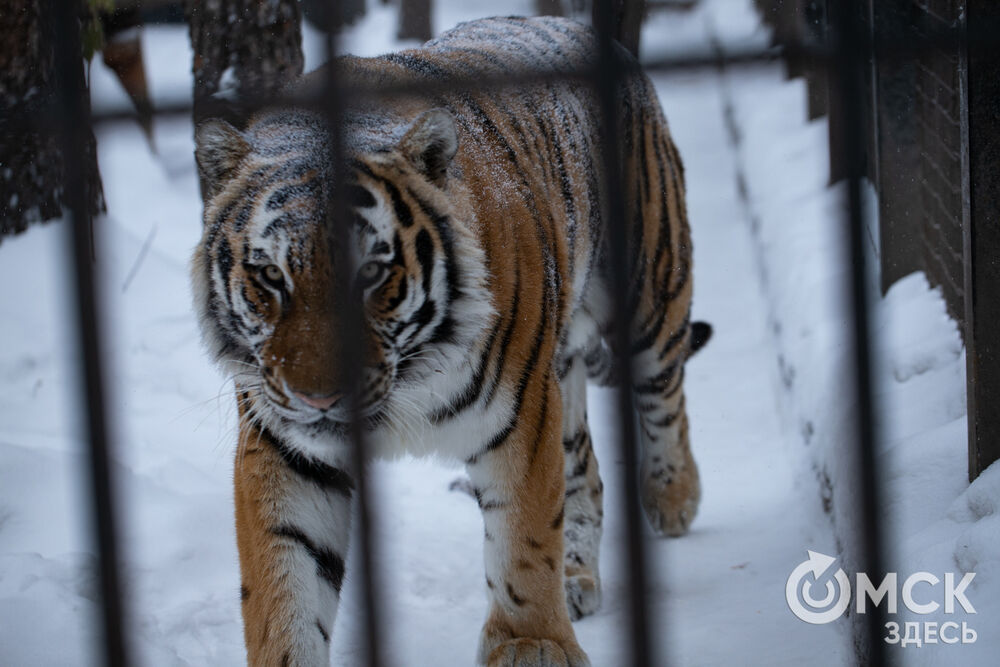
{"x": 478, "y": 235}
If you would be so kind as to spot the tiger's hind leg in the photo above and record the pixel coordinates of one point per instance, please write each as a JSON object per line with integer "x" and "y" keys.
{"x": 584, "y": 496}
{"x": 661, "y": 337}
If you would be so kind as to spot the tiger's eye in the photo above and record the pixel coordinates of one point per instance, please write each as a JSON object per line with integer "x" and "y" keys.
{"x": 273, "y": 275}
{"x": 369, "y": 273}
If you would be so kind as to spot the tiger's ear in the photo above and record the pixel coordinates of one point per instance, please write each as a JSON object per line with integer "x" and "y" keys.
{"x": 219, "y": 149}
{"x": 431, "y": 143}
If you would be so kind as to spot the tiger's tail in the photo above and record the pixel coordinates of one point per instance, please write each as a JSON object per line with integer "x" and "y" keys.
{"x": 701, "y": 333}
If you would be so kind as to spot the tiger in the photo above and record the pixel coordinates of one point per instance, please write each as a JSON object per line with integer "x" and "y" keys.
{"x": 474, "y": 228}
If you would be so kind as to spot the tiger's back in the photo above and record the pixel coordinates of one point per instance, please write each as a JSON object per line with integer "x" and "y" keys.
{"x": 477, "y": 229}
{"x": 532, "y": 154}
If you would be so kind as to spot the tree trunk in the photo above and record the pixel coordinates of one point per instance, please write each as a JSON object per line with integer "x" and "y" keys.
{"x": 320, "y": 13}
{"x": 246, "y": 48}
{"x": 31, "y": 163}
{"x": 548, "y": 8}
{"x": 414, "y": 20}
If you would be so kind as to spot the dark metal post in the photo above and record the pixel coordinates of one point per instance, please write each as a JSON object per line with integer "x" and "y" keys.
{"x": 73, "y": 126}
{"x": 898, "y": 143}
{"x": 623, "y": 21}
{"x": 609, "y": 74}
{"x": 814, "y": 15}
{"x": 630, "y": 26}
{"x": 853, "y": 49}
{"x": 982, "y": 241}
{"x": 352, "y": 348}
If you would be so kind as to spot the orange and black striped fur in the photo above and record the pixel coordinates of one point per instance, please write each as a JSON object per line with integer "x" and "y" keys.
{"x": 476, "y": 233}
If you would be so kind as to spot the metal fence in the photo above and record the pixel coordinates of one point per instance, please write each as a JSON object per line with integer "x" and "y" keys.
{"x": 846, "y": 49}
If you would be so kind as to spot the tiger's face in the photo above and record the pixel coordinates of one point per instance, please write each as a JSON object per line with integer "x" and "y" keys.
{"x": 266, "y": 273}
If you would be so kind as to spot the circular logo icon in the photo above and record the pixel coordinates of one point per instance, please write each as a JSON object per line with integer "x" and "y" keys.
{"x": 817, "y": 591}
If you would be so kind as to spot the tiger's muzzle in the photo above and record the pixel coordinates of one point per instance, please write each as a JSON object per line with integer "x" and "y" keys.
{"x": 309, "y": 406}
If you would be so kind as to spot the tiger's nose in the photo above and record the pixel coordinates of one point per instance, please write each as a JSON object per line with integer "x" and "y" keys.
{"x": 317, "y": 401}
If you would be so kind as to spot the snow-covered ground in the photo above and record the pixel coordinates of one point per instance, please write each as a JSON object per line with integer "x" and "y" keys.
{"x": 765, "y": 397}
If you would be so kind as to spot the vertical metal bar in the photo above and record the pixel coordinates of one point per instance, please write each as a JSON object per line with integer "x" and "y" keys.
{"x": 980, "y": 124}
{"x": 898, "y": 145}
{"x": 352, "y": 350}
{"x": 73, "y": 126}
{"x": 965, "y": 54}
{"x": 607, "y": 80}
{"x": 852, "y": 49}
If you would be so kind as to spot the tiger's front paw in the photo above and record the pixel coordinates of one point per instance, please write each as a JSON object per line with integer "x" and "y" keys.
{"x": 525, "y": 652}
{"x": 670, "y": 496}
{"x": 583, "y": 595}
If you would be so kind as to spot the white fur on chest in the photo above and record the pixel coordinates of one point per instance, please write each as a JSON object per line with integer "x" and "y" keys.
{"x": 407, "y": 428}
